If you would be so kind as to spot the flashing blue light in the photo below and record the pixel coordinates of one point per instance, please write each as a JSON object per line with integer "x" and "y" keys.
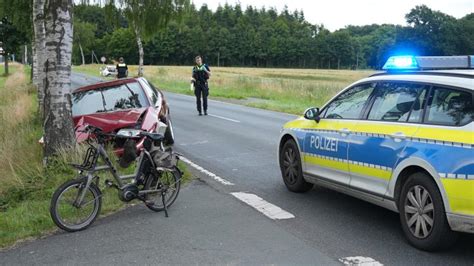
{"x": 401, "y": 63}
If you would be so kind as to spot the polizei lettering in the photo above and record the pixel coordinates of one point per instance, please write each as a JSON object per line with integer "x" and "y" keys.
{"x": 323, "y": 143}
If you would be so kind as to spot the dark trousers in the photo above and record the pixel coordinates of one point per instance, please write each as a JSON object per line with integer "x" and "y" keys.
{"x": 201, "y": 90}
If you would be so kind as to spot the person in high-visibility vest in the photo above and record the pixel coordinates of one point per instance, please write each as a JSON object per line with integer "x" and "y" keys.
{"x": 201, "y": 73}
{"x": 122, "y": 69}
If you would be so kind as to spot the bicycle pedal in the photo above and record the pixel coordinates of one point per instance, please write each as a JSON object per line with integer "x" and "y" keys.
{"x": 108, "y": 183}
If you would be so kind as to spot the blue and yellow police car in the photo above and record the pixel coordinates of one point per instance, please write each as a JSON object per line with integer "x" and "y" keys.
{"x": 402, "y": 139}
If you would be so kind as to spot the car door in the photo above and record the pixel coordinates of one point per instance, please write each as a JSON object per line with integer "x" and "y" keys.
{"x": 325, "y": 142}
{"x": 378, "y": 141}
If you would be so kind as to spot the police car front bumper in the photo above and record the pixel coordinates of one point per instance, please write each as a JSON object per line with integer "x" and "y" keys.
{"x": 461, "y": 223}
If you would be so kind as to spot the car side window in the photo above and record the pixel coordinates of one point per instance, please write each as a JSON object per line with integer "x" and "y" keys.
{"x": 393, "y": 101}
{"x": 350, "y": 103}
{"x": 151, "y": 92}
{"x": 416, "y": 114}
{"x": 450, "y": 107}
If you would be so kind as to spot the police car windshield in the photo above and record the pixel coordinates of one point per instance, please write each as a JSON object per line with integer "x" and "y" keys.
{"x": 116, "y": 98}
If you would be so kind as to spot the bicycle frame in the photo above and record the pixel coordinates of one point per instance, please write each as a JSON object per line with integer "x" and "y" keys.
{"x": 111, "y": 168}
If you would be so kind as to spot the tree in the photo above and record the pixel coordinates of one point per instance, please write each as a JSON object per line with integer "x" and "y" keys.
{"x": 39, "y": 49}
{"x": 84, "y": 36}
{"x": 58, "y": 124}
{"x": 147, "y": 17}
{"x": 434, "y": 32}
{"x": 10, "y": 38}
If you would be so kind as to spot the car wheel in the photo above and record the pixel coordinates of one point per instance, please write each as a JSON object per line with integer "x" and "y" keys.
{"x": 291, "y": 170}
{"x": 422, "y": 214}
{"x": 169, "y": 134}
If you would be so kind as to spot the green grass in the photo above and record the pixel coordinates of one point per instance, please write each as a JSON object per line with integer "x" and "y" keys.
{"x": 26, "y": 187}
{"x": 286, "y": 90}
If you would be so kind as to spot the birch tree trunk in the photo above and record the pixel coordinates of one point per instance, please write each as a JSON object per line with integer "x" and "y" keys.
{"x": 82, "y": 54}
{"x": 39, "y": 51}
{"x": 6, "y": 57}
{"x": 58, "y": 124}
{"x": 141, "y": 53}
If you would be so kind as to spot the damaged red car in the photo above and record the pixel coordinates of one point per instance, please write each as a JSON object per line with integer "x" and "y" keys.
{"x": 132, "y": 103}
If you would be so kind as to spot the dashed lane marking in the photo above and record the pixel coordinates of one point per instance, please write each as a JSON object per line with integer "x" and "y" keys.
{"x": 207, "y": 172}
{"x": 271, "y": 211}
{"x": 360, "y": 261}
{"x": 225, "y": 118}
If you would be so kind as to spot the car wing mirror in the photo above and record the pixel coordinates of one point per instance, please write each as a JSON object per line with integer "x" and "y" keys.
{"x": 312, "y": 114}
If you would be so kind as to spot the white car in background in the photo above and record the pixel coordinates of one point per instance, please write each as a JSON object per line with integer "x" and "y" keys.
{"x": 107, "y": 71}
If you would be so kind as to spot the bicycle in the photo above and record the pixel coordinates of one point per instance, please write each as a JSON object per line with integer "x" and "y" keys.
{"x": 156, "y": 181}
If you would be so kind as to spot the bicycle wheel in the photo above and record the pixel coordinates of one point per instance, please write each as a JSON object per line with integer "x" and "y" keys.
{"x": 69, "y": 217}
{"x": 167, "y": 181}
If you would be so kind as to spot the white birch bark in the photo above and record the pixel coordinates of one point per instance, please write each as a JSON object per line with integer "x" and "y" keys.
{"x": 141, "y": 53}
{"x": 58, "y": 124}
{"x": 82, "y": 55}
{"x": 38, "y": 51}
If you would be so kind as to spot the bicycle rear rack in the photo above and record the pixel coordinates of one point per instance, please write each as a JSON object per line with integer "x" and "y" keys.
{"x": 90, "y": 158}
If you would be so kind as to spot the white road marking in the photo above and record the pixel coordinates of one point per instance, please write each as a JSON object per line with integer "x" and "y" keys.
{"x": 360, "y": 261}
{"x": 194, "y": 143}
{"x": 225, "y": 118}
{"x": 209, "y": 173}
{"x": 271, "y": 211}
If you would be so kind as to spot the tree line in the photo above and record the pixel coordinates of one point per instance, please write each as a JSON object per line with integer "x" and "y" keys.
{"x": 231, "y": 36}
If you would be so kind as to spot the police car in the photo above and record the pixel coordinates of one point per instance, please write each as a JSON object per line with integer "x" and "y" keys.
{"x": 402, "y": 139}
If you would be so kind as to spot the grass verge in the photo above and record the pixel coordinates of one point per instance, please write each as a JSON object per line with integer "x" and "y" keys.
{"x": 285, "y": 90}
{"x": 26, "y": 187}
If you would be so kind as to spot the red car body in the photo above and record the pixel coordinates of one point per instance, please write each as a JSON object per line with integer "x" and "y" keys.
{"x": 142, "y": 109}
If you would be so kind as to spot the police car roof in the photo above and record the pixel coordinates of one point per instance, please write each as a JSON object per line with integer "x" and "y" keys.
{"x": 463, "y": 78}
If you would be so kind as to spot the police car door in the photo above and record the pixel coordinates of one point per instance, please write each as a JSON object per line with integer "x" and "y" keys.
{"x": 325, "y": 145}
{"x": 378, "y": 141}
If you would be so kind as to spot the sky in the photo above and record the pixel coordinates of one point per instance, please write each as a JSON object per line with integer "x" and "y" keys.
{"x": 336, "y": 14}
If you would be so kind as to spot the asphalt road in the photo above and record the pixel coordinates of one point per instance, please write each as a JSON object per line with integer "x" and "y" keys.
{"x": 208, "y": 225}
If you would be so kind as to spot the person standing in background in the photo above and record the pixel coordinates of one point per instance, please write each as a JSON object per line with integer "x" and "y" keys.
{"x": 122, "y": 69}
{"x": 201, "y": 74}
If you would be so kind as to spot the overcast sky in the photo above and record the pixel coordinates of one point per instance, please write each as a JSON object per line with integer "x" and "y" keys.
{"x": 335, "y": 14}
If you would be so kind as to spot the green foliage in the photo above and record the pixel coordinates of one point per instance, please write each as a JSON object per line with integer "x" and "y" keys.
{"x": 10, "y": 36}
{"x": 230, "y": 36}
{"x": 146, "y": 17}
{"x": 120, "y": 43}
{"x": 18, "y": 13}
{"x": 84, "y": 35}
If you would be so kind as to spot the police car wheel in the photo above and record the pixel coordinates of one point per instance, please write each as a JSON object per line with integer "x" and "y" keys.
{"x": 422, "y": 214}
{"x": 291, "y": 170}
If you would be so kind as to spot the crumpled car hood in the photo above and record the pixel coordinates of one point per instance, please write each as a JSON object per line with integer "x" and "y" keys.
{"x": 109, "y": 122}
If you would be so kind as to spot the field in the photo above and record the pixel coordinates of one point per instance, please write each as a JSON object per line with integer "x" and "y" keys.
{"x": 286, "y": 90}
{"x": 26, "y": 187}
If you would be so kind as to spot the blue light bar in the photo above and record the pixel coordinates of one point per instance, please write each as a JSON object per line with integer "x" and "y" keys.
{"x": 405, "y": 62}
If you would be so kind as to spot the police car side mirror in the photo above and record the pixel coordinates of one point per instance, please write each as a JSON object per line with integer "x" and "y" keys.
{"x": 312, "y": 114}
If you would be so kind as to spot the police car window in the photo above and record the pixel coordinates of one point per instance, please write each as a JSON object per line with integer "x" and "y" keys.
{"x": 450, "y": 107}
{"x": 416, "y": 114}
{"x": 394, "y": 101}
{"x": 350, "y": 103}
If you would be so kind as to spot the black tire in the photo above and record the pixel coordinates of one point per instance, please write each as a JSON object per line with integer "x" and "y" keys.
{"x": 169, "y": 134}
{"x": 93, "y": 195}
{"x": 420, "y": 203}
{"x": 153, "y": 200}
{"x": 291, "y": 169}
